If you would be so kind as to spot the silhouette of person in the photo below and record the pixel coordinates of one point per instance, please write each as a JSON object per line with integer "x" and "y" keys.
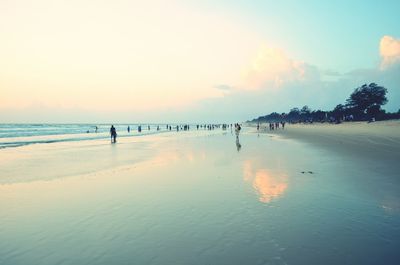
{"x": 129, "y": 129}
{"x": 237, "y": 129}
{"x": 113, "y": 133}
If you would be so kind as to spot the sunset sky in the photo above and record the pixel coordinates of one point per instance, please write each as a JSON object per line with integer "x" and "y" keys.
{"x": 181, "y": 61}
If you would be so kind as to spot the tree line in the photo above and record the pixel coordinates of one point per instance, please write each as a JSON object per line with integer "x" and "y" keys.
{"x": 364, "y": 104}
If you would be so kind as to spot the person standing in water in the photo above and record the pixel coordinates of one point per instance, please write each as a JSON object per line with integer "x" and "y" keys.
{"x": 113, "y": 133}
{"x": 129, "y": 129}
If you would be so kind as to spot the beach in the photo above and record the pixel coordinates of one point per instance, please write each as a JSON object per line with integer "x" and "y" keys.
{"x": 309, "y": 194}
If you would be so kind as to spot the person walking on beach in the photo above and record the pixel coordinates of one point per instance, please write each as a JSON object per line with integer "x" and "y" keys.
{"x": 237, "y": 129}
{"x": 113, "y": 133}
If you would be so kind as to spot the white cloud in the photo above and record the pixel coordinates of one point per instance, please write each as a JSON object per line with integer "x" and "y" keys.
{"x": 272, "y": 69}
{"x": 390, "y": 51}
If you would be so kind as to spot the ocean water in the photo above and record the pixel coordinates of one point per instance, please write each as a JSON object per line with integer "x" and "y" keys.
{"x": 13, "y": 135}
{"x": 197, "y": 198}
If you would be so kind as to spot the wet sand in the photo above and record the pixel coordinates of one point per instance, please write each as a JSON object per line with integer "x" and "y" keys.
{"x": 196, "y": 198}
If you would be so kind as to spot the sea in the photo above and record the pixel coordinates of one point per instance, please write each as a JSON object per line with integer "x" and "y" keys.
{"x": 14, "y": 135}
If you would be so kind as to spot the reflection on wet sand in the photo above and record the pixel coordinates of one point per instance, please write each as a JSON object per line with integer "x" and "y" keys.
{"x": 267, "y": 185}
{"x": 238, "y": 145}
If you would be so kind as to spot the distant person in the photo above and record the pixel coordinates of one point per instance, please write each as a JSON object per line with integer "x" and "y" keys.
{"x": 237, "y": 129}
{"x": 139, "y": 128}
{"x": 148, "y": 127}
{"x": 129, "y": 129}
{"x": 113, "y": 133}
{"x": 95, "y": 129}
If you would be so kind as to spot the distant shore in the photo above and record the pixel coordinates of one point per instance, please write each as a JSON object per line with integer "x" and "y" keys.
{"x": 377, "y": 140}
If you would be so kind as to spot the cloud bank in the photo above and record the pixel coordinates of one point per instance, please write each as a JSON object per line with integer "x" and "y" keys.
{"x": 271, "y": 81}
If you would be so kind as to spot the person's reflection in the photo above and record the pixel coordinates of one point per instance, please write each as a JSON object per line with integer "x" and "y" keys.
{"x": 238, "y": 145}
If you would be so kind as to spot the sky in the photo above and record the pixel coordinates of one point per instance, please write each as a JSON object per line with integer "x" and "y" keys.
{"x": 186, "y": 61}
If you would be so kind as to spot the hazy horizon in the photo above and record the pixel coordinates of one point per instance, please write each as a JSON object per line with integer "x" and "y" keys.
{"x": 190, "y": 61}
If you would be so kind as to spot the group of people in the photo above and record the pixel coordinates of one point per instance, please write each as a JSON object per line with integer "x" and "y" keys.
{"x": 273, "y": 125}
{"x": 113, "y": 131}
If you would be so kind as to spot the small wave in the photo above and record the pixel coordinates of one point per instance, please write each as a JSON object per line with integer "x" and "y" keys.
{"x": 22, "y": 143}
{"x": 14, "y": 144}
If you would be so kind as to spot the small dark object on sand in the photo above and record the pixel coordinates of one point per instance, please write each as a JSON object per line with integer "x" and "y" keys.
{"x": 308, "y": 172}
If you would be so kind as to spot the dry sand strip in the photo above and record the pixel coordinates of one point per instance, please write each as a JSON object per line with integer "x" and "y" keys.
{"x": 377, "y": 141}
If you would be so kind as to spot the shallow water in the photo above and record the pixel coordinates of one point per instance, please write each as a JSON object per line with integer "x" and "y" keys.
{"x": 15, "y": 135}
{"x": 202, "y": 198}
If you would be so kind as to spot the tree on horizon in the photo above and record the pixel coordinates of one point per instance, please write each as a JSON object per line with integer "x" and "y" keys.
{"x": 367, "y": 99}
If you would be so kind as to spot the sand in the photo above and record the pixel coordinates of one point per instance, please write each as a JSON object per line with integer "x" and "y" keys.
{"x": 196, "y": 198}
{"x": 377, "y": 141}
